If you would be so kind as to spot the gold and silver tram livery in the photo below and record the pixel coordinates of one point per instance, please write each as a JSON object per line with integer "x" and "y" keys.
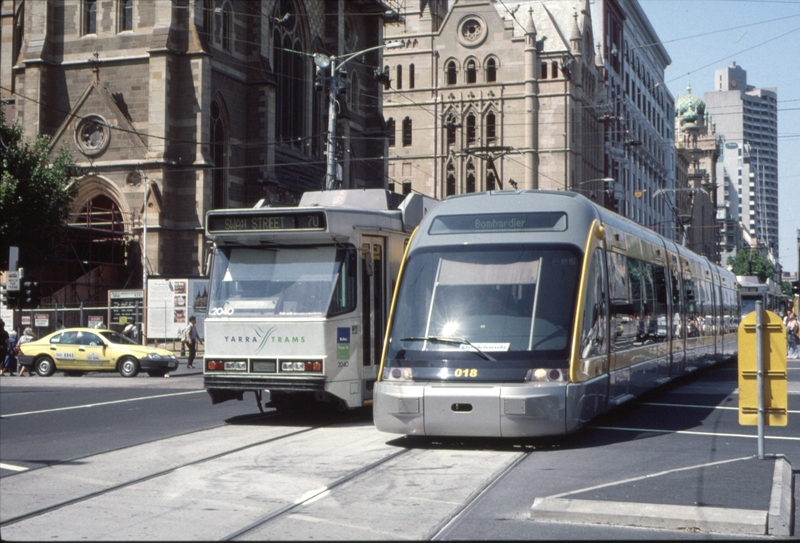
{"x": 528, "y": 313}
{"x": 299, "y": 296}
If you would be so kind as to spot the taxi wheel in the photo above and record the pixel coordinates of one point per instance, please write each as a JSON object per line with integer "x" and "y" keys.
{"x": 128, "y": 367}
{"x": 44, "y": 366}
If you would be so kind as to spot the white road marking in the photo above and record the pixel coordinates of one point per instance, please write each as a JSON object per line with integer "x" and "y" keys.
{"x": 12, "y": 467}
{"x": 689, "y": 432}
{"x": 100, "y": 404}
{"x": 700, "y": 406}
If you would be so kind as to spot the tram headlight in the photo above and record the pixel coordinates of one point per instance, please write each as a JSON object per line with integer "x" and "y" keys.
{"x": 235, "y": 365}
{"x": 547, "y": 374}
{"x": 397, "y": 374}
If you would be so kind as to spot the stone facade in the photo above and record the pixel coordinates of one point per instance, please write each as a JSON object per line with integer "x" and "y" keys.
{"x": 191, "y": 106}
{"x": 483, "y": 97}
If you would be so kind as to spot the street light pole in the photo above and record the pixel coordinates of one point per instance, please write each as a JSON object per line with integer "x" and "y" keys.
{"x": 332, "y": 180}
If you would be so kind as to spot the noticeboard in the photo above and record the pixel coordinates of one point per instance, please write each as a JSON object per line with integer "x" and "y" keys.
{"x": 125, "y": 306}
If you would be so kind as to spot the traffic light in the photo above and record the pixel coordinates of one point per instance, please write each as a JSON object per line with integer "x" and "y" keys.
{"x": 3, "y": 295}
{"x": 31, "y": 295}
{"x": 9, "y": 297}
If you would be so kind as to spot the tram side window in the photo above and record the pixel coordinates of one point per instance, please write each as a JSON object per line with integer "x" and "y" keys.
{"x": 622, "y": 325}
{"x": 692, "y": 312}
{"x": 678, "y": 317}
{"x": 595, "y": 317}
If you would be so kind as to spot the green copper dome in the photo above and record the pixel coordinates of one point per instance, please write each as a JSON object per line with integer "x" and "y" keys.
{"x": 689, "y": 108}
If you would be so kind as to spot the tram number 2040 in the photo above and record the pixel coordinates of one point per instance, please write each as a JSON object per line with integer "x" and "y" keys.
{"x": 465, "y": 372}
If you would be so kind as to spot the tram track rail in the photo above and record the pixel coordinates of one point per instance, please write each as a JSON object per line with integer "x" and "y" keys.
{"x": 158, "y": 474}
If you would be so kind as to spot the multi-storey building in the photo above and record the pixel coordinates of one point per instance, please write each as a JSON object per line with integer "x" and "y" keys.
{"x": 733, "y": 163}
{"x": 748, "y": 116}
{"x": 697, "y": 153}
{"x": 488, "y": 95}
{"x": 174, "y": 108}
{"x": 638, "y": 112}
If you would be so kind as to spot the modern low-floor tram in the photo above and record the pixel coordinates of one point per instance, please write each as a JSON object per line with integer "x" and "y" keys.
{"x": 528, "y": 313}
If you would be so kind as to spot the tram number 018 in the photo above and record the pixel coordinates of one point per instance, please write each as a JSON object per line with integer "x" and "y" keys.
{"x": 465, "y": 373}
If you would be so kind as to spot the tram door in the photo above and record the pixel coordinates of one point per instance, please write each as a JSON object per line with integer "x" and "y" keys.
{"x": 373, "y": 313}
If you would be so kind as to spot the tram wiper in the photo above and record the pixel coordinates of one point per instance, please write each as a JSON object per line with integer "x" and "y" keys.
{"x": 451, "y": 340}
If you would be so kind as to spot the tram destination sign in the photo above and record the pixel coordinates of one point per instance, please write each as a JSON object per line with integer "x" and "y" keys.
{"x": 548, "y": 221}
{"x": 264, "y": 222}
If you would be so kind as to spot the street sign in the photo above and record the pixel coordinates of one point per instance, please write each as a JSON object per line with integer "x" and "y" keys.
{"x": 773, "y": 352}
{"x": 125, "y": 306}
{"x": 12, "y": 280}
{"x": 41, "y": 320}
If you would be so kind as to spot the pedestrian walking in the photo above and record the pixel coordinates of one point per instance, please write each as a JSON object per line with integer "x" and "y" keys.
{"x": 190, "y": 337}
{"x": 4, "y": 343}
{"x": 792, "y": 335}
{"x": 10, "y": 361}
{"x": 130, "y": 331}
{"x": 27, "y": 335}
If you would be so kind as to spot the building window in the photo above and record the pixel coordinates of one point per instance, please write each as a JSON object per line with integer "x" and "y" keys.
{"x": 125, "y": 15}
{"x": 491, "y": 184}
{"x": 399, "y": 77}
{"x": 293, "y": 73}
{"x": 450, "y": 127}
{"x": 554, "y": 70}
{"x": 470, "y": 177}
{"x": 491, "y": 71}
{"x": 451, "y": 73}
{"x": 406, "y": 187}
{"x": 410, "y": 76}
{"x": 544, "y": 71}
{"x": 219, "y": 154}
{"x": 390, "y": 131}
{"x": 450, "y": 189}
{"x": 472, "y": 73}
{"x": 90, "y": 16}
{"x": 470, "y": 129}
{"x": 208, "y": 18}
{"x": 406, "y": 132}
{"x": 491, "y": 128}
{"x": 227, "y": 27}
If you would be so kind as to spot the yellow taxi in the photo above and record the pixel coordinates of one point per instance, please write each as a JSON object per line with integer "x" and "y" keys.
{"x": 78, "y": 350}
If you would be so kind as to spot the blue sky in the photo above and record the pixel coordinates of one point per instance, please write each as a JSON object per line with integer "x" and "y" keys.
{"x": 763, "y": 37}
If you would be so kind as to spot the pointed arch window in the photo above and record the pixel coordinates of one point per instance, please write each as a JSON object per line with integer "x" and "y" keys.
{"x": 472, "y": 73}
{"x": 399, "y": 78}
{"x": 125, "y": 15}
{"x": 451, "y": 73}
{"x": 450, "y": 188}
{"x": 491, "y": 70}
{"x": 390, "y": 131}
{"x": 470, "y": 129}
{"x": 491, "y": 182}
{"x": 89, "y": 17}
{"x": 450, "y": 127}
{"x": 219, "y": 154}
{"x": 491, "y": 127}
{"x": 227, "y": 26}
{"x": 407, "y": 129}
{"x": 470, "y": 177}
{"x": 293, "y": 73}
{"x": 208, "y": 18}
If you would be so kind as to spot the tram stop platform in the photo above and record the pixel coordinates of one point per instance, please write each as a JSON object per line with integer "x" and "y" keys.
{"x": 738, "y": 497}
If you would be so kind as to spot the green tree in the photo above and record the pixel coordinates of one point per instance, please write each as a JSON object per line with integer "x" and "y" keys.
{"x": 35, "y": 197}
{"x": 751, "y": 262}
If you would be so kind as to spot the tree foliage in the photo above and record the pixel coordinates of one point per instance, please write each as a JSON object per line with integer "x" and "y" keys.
{"x": 35, "y": 197}
{"x": 751, "y": 262}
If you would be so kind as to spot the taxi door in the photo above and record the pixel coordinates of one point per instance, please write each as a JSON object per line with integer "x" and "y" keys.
{"x": 91, "y": 352}
{"x": 64, "y": 350}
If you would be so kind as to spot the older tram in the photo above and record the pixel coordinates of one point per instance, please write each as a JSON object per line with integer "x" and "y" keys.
{"x": 299, "y": 296}
{"x": 528, "y": 313}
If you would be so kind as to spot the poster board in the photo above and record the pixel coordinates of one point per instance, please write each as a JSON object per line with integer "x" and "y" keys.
{"x": 170, "y": 303}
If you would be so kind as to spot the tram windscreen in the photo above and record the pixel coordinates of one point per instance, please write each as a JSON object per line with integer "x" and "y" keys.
{"x": 283, "y": 282}
{"x": 500, "y": 303}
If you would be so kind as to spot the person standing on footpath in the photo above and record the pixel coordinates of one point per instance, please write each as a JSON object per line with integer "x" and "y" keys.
{"x": 10, "y": 361}
{"x": 792, "y": 330}
{"x": 4, "y": 343}
{"x": 27, "y": 335}
{"x": 190, "y": 337}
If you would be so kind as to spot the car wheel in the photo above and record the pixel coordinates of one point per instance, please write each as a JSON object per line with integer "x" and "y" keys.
{"x": 128, "y": 367}
{"x": 157, "y": 373}
{"x": 44, "y": 366}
